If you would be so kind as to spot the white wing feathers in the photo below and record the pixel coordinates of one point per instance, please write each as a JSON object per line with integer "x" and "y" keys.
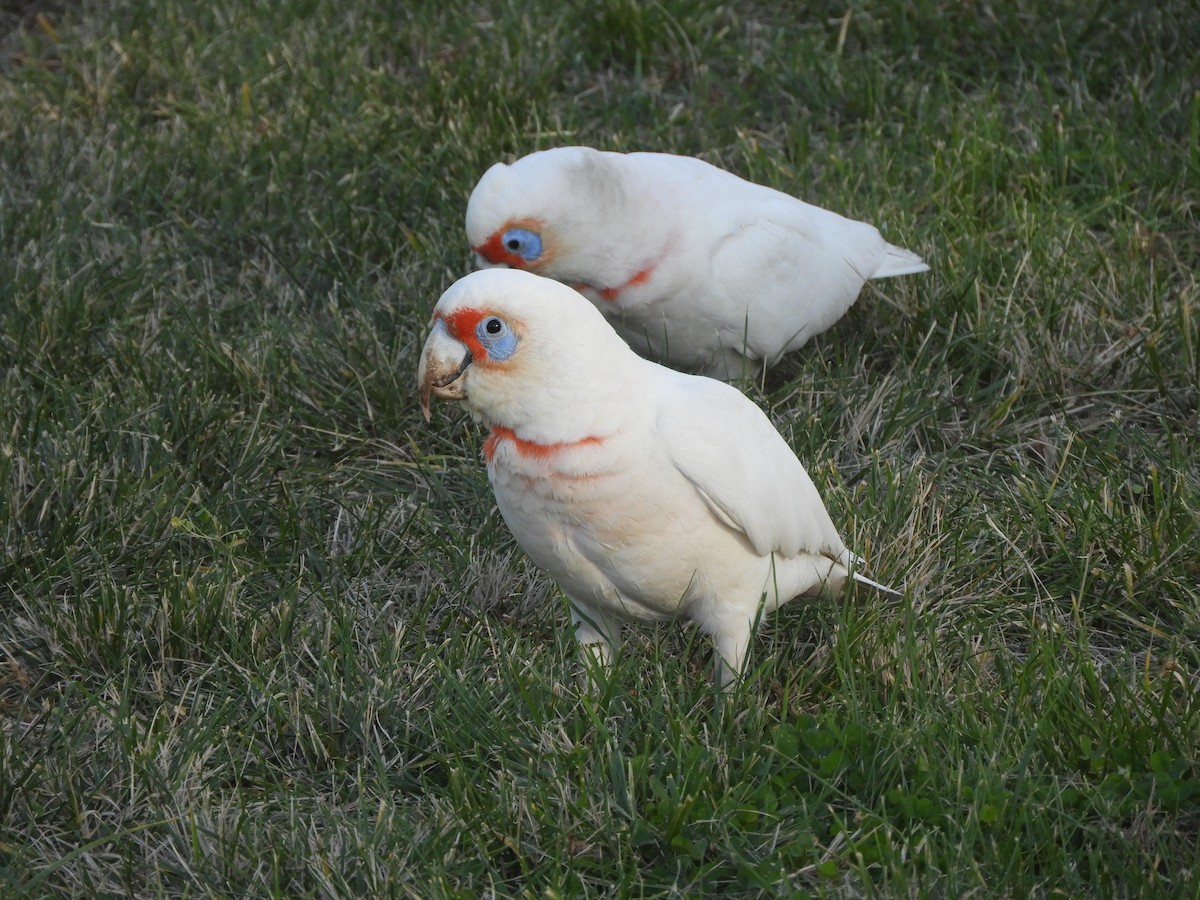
{"x": 747, "y": 474}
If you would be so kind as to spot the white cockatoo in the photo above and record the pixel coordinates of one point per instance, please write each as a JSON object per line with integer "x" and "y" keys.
{"x": 694, "y": 266}
{"x": 646, "y": 493}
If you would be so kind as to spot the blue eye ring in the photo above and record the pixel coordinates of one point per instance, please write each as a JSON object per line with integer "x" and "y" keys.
{"x": 498, "y": 340}
{"x": 523, "y": 243}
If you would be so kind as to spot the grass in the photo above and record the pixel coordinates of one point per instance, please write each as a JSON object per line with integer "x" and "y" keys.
{"x": 262, "y": 631}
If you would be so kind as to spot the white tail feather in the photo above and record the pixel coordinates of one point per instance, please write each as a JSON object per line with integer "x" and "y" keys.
{"x": 852, "y": 561}
{"x": 898, "y": 261}
{"x": 882, "y": 588}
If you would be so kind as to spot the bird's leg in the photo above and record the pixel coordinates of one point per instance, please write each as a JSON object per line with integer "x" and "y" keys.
{"x": 598, "y": 637}
{"x": 732, "y": 643}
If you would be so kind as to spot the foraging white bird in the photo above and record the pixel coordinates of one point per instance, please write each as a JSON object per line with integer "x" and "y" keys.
{"x": 694, "y": 266}
{"x": 646, "y": 493}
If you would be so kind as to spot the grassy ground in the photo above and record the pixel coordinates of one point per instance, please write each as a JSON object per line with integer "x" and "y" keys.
{"x": 262, "y": 631}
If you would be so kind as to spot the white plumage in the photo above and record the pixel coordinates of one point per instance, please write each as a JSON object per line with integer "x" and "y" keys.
{"x": 647, "y": 494}
{"x": 694, "y": 266}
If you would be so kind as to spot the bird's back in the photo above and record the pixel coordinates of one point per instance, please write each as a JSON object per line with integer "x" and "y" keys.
{"x": 759, "y": 269}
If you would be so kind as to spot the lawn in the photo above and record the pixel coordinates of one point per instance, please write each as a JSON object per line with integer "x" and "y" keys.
{"x": 262, "y": 630}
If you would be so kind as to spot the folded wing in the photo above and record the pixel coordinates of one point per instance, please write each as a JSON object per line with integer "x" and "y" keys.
{"x": 746, "y": 473}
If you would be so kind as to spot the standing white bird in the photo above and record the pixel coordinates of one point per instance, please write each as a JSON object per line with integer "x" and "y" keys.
{"x": 647, "y": 494}
{"x": 694, "y": 266}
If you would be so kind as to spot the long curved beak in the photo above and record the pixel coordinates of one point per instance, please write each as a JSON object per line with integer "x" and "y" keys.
{"x": 443, "y": 362}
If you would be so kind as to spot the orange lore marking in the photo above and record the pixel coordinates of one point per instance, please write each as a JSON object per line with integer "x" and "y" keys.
{"x": 462, "y": 324}
{"x": 494, "y": 251}
{"x": 531, "y": 449}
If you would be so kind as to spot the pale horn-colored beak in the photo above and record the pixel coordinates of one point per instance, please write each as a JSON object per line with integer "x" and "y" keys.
{"x": 443, "y": 362}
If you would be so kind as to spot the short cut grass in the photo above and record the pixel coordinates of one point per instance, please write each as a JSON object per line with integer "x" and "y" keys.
{"x": 262, "y": 631}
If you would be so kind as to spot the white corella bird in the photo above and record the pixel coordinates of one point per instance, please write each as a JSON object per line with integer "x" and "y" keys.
{"x": 694, "y": 266}
{"x": 647, "y": 494}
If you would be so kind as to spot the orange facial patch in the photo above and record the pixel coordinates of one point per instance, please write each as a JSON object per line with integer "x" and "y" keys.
{"x": 463, "y": 325}
{"x": 494, "y": 251}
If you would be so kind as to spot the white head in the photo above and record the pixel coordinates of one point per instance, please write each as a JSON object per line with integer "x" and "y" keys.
{"x": 566, "y": 213}
{"x": 527, "y": 353}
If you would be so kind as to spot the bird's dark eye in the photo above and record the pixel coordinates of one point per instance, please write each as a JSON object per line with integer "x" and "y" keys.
{"x": 496, "y": 338}
{"x": 523, "y": 243}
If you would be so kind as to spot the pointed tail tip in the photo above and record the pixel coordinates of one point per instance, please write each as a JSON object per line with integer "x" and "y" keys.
{"x": 882, "y": 588}
{"x": 898, "y": 261}
{"x": 852, "y": 561}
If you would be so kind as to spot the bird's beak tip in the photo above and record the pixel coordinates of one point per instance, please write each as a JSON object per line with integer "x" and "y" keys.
{"x": 440, "y": 372}
{"x": 443, "y": 381}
